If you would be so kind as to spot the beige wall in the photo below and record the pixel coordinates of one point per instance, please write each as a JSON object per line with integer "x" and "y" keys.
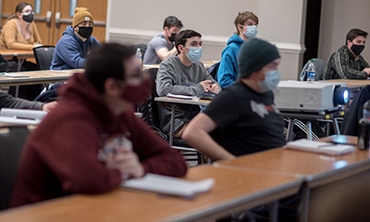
{"x": 280, "y": 23}
{"x": 339, "y": 16}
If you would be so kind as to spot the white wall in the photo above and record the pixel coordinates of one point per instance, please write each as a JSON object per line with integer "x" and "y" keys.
{"x": 280, "y": 23}
{"x": 338, "y": 17}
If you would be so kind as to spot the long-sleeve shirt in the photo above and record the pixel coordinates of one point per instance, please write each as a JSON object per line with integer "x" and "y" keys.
{"x": 343, "y": 65}
{"x": 61, "y": 156}
{"x": 71, "y": 52}
{"x": 176, "y": 78}
{"x": 11, "y": 37}
{"x": 8, "y": 101}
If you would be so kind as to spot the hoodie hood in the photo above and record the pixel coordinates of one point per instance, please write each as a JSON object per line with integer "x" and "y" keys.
{"x": 78, "y": 89}
{"x": 235, "y": 39}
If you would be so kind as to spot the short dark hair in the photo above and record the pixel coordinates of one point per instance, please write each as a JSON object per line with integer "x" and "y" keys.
{"x": 353, "y": 33}
{"x": 183, "y": 36}
{"x": 106, "y": 61}
{"x": 172, "y": 21}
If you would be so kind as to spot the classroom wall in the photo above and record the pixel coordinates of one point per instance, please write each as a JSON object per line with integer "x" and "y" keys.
{"x": 338, "y": 17}
{"x": 280, "y": 22}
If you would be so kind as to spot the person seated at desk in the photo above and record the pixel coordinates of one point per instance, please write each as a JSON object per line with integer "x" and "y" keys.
{"x": 161, "y": 46}
{"x": 20, "y": 31}
{"x": 93, "y": 141}
{"x": 246, "y": 29}
{"x": 183, "y": 74}
{"x": 347, "y": 62}
{"x": 243, "y": 118}
{"x": 76, "y": 42}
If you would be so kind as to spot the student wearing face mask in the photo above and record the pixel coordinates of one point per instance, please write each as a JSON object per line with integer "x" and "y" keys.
{"x": 184, "y": 74}
{"x": 92, "y": 141}
{"x": 161, "y": 46}
{"x": 76, "y": 42}
{"x": 243, "y": 118}
{"x": 347, "y": 62}
{"x": 246, "y": 28}
{"x": 20, "y": 32}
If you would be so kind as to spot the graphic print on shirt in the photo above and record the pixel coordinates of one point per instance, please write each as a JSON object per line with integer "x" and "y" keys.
{"x": 263, "y": 110}
{"x": 112, "y": 144}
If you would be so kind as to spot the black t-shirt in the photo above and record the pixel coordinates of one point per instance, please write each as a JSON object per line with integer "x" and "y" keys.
{"x": 247, "y": 121}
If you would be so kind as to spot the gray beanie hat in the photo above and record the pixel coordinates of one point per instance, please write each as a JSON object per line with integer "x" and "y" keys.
{"x": 255, "y": 54}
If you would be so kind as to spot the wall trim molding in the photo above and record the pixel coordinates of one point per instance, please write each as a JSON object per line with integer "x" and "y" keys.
{"x": 138, "y": 35}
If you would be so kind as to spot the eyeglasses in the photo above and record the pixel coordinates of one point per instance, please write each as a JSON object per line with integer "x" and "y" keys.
{"x": 28, "y": 12}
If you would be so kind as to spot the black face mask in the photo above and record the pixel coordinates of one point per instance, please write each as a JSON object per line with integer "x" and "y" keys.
{"x": 172, "y": 37}
{"x": 85, "y": 31}
{"x": 28, "y": 18}
{"x": 357, "y": 49}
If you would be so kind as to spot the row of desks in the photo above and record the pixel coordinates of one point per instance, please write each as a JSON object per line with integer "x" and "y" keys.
{"x": 240, "y": 184}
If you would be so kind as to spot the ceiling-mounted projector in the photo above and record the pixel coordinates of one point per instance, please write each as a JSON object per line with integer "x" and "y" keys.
{"x": 310, "y": 96}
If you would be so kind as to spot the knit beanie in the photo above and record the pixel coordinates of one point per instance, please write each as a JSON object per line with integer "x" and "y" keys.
{"x": 255, "y": 54}
{"x": 82, "y": 14}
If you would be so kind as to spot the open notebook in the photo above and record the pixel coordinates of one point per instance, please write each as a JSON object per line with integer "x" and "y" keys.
{"x": 320, "y": 147}
{"x": 169, "y": 185}
{"x": 21, "y": 116}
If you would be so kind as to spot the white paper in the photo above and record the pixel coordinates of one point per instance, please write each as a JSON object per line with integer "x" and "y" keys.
{"x": 182, "y": 96}
{"x": 21, "y": 116}
{"x": 169, "y": 185}
{"x": 14, "y": 75}
{"x": 319, "y": 147}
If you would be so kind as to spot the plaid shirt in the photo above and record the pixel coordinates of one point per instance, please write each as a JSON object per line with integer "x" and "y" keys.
{"x": 343, "y": 65}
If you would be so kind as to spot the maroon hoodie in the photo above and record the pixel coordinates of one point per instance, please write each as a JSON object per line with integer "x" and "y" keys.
{"x": 61, "y": 156}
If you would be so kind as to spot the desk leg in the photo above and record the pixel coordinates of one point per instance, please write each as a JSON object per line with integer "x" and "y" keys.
{"x": 19, "y": 65}
{"x": 309, "y": 130}
{"x": 172, "y": 125}
{"x": 289, "y": 133}
{"x": 305, "y": 202}
{"x": 336, "y": 126}
{"x": 274, "y": 211}
{"x": 16, "y": 91}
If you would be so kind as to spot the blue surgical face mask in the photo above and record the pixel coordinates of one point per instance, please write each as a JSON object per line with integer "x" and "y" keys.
{"x": 194, "y": 54}
{"x": 251, "y": 31}
{"x": 272, "y": 79}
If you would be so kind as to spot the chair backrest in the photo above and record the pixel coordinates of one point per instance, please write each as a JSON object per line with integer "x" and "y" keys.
{"x": 44, "y": 56}
{"x": 213, "y": 70}
{"x": 142, "y": 48}
{"x": 354, "y": 113}
{"x": 11, "y": 144}
{"x": 320, "y": 66}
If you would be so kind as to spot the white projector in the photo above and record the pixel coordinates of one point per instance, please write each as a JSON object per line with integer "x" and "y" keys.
{"x": 310, "y": 96}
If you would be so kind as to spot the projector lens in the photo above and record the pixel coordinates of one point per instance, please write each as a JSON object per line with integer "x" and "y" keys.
{"x": 341, "y": 95}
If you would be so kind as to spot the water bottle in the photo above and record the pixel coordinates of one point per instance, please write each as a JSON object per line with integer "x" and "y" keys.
{"x": 139, "y": 55}
{"x": 311, "y": 71}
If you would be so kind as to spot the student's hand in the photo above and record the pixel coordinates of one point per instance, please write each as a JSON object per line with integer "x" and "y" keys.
{"x": 126, "y": 162}
{"x": 206, "y": 85}
{"x": 367, "y": 70}
{"x": 214, "y": 88}
{"x": 47, "y": 107}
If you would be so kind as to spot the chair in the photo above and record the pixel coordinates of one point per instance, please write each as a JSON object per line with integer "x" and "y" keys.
{"x": 44, "y": 56}
{"x": 151, "y": 112}
{"x": 320, "y": 66}
{"x": 10, "y": 150}
{"x": 142, "y": 48}
{"x": 354, "y": 112}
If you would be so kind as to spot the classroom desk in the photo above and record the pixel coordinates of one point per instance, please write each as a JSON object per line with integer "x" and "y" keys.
{"x": 173, "y": 102}
{"x": 37, "y": 77}
{"x": 351, "y": 83}
{"x": 233, "y": 191}
{"x": 315, "y": 169}
{"x": 20, "y": 54}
